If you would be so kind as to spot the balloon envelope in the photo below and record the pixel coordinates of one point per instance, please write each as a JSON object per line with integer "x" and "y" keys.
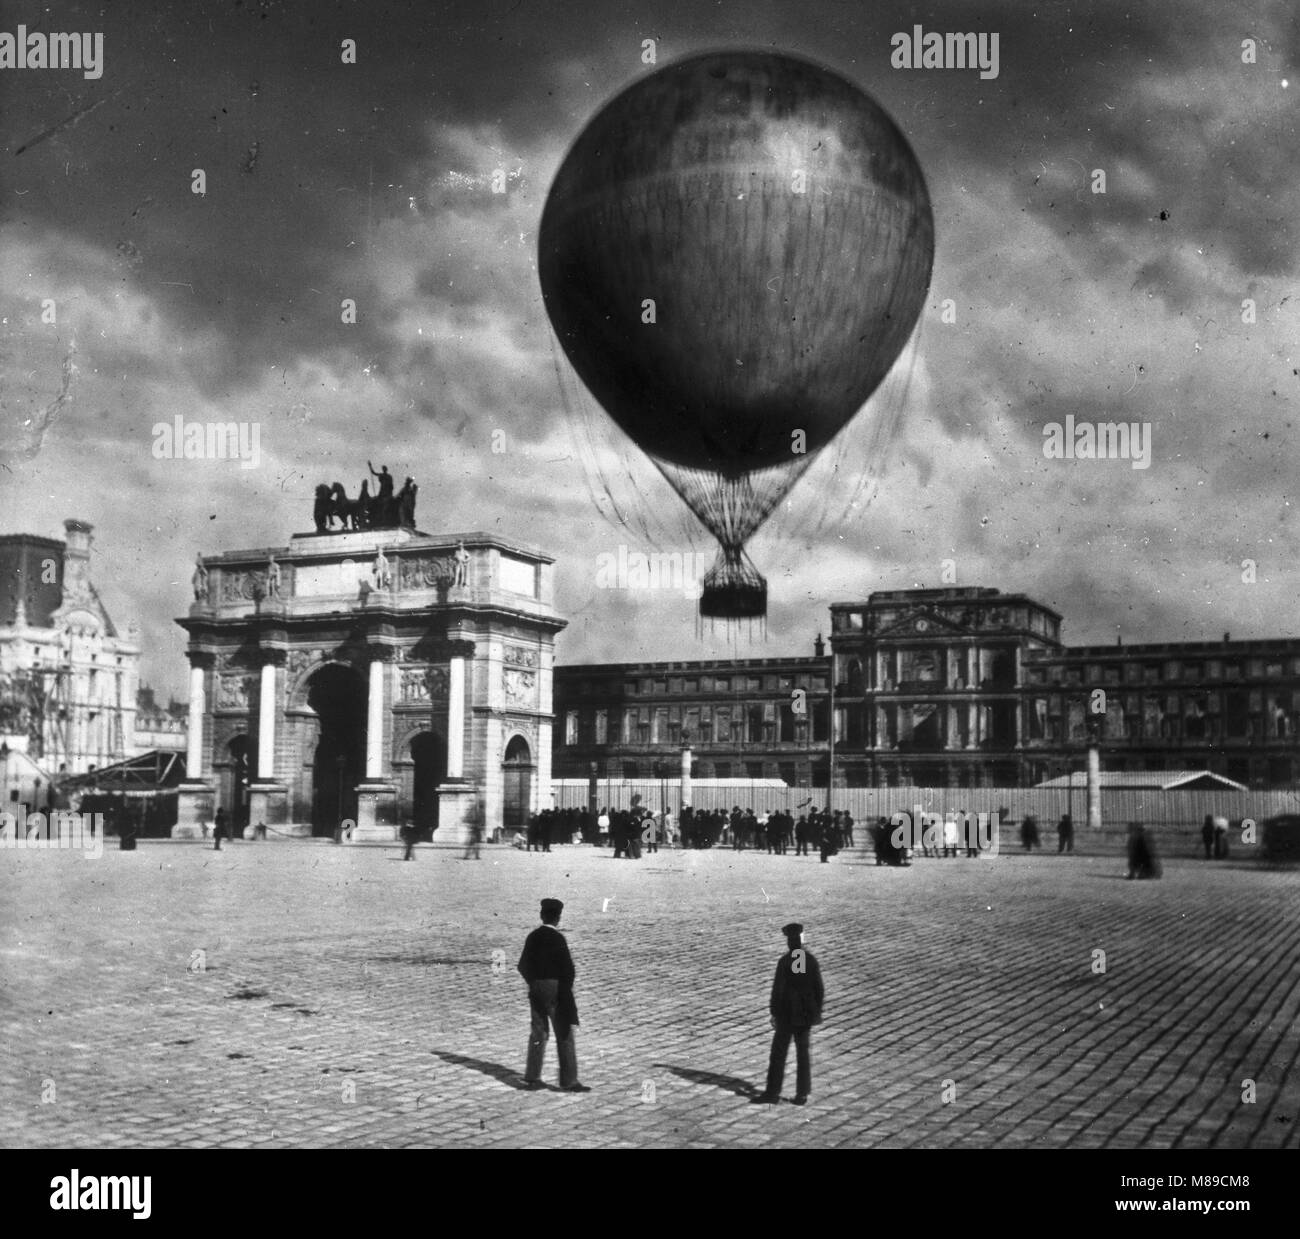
{"x": 733, "y": 254}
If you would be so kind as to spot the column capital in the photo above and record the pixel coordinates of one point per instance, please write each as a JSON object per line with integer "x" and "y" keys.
{"x": 383, "y": 653}
{"x": 273, "y": 657}
{"x": 204, "y": 660}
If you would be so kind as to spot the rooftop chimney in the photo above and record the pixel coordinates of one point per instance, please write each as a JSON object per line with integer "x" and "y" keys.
{"x": 819, "y": 647}
{"x": 1227, "y": 636}
{"x": 76, "y": 560}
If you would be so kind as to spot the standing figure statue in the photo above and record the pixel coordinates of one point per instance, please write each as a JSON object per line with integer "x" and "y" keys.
{"x": 406, "y": 504}
{"x": 383, "y": 503}
{"x": 273, "y": 579}
{"x": 382, "y": 572}
{"x": 460, "y": 577}
{"x": 200, "y": 580}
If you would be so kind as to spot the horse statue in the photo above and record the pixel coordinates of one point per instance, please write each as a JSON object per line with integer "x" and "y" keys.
{"x": 323, "y": 511}
{"x": 366, "y": 511}
{"x": 350, "y": 512}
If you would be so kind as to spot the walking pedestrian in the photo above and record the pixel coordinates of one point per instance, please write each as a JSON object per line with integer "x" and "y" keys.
{"x": 1220, "y": 838}
{"x": 1143, "y": 862}
{"x": 1207, "y": 834}
{"x": 798, "y": 995}
{"x": 547, "y": 967}
{"x": 475, "y": 827}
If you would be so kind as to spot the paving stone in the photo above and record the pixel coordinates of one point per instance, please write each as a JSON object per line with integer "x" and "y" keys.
{"x": 346, "y": 1000}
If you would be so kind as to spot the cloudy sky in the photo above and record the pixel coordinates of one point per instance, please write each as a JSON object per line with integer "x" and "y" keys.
{"x": 373, "y": 181}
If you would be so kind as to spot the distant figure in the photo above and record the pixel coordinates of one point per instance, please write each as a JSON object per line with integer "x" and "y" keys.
{"x": 221, "y": 829}
{"x": 475, "y": 825}
{"x": 828, "y": 843}
{"x": 409, "y": 835}
{"x": 950, "y": 836}
{"x": 1029, "y": 832}
{"x": 200, "y": 580}
{"x": 383, "y": 573}
{"x": 273, "y": 578}
{"x": 1143, "y": 862}
{"x": 1207, "y": 835}
{"x": 1064, "y": 835}
{"x": 795, "y": 1006}
{"x": 1220, "y": 838}
{"x": 460, "y": 574}
{"x": 547, "y": 967}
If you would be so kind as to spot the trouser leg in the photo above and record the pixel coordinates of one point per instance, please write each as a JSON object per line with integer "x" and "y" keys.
{"x": 803, "y": 1061}
{"x": 567, "y": 1050}
{"x": 776, "y": 1060}
{"x": 541, "y": 1003}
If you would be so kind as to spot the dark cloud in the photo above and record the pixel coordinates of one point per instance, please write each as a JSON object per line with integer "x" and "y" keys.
{"x": 373, "y": 182}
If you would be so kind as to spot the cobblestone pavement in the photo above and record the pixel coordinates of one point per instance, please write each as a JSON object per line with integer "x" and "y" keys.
{"x": 344, "y": 998}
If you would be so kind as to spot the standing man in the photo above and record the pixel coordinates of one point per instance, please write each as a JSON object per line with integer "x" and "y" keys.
{"x": 548, "y": 968}
{"x": 1065, "y": 835}
{"x": 796, "y": 1005}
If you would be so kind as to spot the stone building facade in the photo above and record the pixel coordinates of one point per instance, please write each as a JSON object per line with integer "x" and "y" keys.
{"x": 68, "y": 676}
{"x": 957, "y": 687}
{"x": 379, "y": 677}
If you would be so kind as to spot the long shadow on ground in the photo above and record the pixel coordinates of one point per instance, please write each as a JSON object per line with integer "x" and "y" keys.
{"x": 507, "y": 1075}
{"x": 730, "y": 1084}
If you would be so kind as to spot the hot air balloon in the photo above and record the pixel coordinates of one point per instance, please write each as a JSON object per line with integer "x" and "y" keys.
{"x": 732, "y": 255}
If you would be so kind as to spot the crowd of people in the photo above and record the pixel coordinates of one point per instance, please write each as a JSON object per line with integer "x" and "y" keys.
{"x": 639, "y": 829}
{"x": 633, "y": 831}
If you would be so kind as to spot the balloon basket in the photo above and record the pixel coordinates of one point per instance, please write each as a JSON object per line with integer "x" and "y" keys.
{"x": 733, "y": 589}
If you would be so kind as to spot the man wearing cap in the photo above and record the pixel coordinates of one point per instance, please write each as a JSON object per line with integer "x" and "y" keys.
{"x": 547, "y": 966}
{"x": 796, "y": 1005}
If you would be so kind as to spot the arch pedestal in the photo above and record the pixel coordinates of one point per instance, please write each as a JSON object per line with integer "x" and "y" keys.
{"x": 458, "y": 809}
{"x": 376, "y": 813}
{"x": 195, "y": 809}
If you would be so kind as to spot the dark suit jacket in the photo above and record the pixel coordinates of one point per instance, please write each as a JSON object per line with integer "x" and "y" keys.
{"x": 546, "y": 958}
{"x": 797, "y": 997}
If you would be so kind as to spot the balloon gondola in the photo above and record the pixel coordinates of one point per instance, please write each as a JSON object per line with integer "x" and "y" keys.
{"x": 733, "y": 254}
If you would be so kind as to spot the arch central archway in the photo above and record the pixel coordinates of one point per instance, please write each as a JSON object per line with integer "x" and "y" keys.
{"x": 337, "y": 696}
{"x": 517, "y": 779}
{"x": 429, "y": 763}
{"x": 237, "y": 793}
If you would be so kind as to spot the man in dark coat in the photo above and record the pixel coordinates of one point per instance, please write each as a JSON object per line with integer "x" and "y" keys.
{"x": 1065, "y": 834}
{"x": 796, "y": 1005}
{"x": 221, "y": 829}
{"x": 1143, "y": 860}
{"x": 547, "y": 966}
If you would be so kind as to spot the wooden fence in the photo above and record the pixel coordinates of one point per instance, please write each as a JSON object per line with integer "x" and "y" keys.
{"x": 1173, "y": 812}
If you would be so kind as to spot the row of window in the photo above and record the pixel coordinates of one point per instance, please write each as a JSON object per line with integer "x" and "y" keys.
{"x": 677, "y": 686}
{"x": 768, "y": 722}
{"x": 1170, "y": 671}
